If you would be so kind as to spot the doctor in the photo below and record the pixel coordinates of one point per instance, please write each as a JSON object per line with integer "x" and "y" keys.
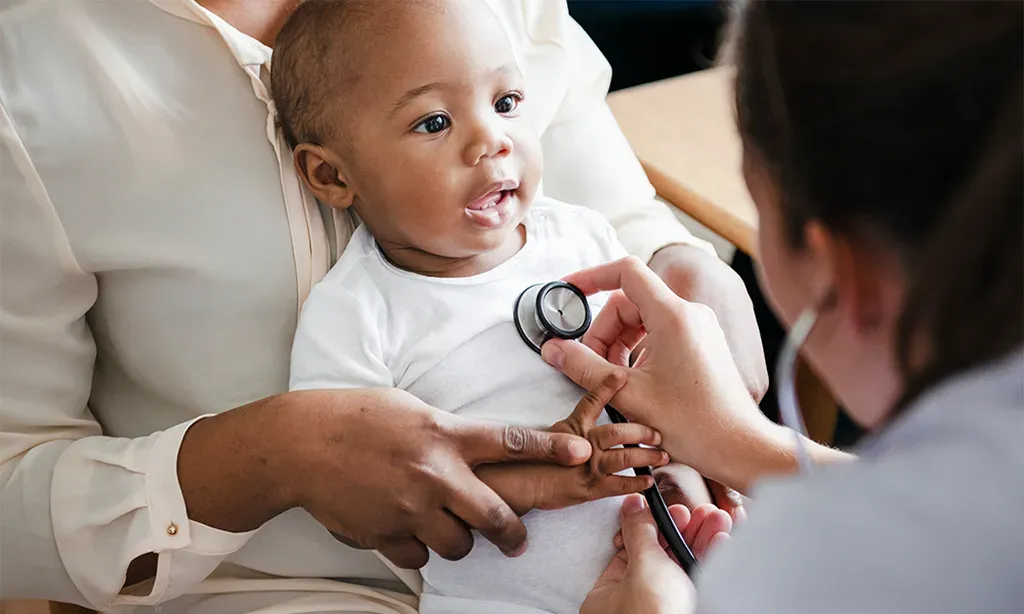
{"x": 883, "y": 147}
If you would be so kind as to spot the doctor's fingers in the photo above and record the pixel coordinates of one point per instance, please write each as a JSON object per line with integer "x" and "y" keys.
{"x": 707, "y": 527}
{"x": 642, "y": 286}
{"x": 639, "y": 533}
{"x": 616, "y": 330}
{"x": 473, "y": 503}
{"x": 485, "y": 442}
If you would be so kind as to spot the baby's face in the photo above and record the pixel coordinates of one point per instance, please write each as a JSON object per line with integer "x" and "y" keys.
{"x": 439, "y": 153}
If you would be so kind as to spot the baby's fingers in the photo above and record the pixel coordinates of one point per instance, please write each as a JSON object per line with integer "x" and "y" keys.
{"x": 608, "y": 436}
{"x": 621, "y": 485}
{"x": 620, "y": 459}
{"x": 589, "y": 409}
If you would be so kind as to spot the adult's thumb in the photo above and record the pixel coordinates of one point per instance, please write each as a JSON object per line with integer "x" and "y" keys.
{"x": 639, "y": 533}
{"x": 577, "y": 361}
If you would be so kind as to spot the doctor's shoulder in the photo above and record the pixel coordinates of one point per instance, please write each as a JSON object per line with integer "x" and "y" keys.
{"x": 907, "y": 530}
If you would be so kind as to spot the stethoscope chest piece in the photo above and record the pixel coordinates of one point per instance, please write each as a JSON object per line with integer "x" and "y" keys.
{"x": 551, "y": 310}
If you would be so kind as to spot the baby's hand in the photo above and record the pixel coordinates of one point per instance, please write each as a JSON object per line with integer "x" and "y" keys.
{"x": 607, "y": 460}
{"x": 526, "y": 487}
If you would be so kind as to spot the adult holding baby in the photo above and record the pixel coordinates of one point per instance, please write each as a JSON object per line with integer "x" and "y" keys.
{"x": 157, "y": 246}
{"x": 883, "y": 148}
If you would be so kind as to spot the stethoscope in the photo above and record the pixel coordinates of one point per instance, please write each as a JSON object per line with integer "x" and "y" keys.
{"x": 560, "y": 310}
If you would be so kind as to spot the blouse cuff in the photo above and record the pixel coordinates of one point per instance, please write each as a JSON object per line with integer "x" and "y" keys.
{"x": 98, "y": 536}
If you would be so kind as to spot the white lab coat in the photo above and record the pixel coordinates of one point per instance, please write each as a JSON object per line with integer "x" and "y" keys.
{"x": 156, "y": 246}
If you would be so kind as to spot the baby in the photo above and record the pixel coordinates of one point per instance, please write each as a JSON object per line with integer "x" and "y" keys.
{"x": 413, "y": 115}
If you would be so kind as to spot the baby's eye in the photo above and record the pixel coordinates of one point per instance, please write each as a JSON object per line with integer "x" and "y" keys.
{"x": 507, "y": 103}
{"x": 433, "y": 124}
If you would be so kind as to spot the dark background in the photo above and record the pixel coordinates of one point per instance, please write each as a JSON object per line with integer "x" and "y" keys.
{"x": 648, "y": 40}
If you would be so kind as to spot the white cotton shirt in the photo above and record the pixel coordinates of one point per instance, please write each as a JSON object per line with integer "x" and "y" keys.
{"x": 155, "y": 250}
{"x": 452, "y": 342}
{"x": 926, "y": 521}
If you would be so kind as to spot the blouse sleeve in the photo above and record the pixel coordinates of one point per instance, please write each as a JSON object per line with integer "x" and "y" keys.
{"x": 78, "y": 507}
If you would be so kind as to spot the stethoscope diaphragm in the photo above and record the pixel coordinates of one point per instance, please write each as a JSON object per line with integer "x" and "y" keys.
{"x": 551, "y": 310}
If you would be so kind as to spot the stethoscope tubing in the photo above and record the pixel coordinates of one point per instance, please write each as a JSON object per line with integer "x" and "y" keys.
{"x": 659, "y": 509}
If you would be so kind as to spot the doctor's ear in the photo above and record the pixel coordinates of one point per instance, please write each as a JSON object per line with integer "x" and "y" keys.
{"x": 856, "y": 276}
{"x": 322, "y": 171}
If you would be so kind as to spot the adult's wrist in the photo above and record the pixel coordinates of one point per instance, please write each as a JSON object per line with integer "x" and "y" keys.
{"x": 753, "y": 453}
{"x": 233, "y": 468}
{"x": 771, "y": 450}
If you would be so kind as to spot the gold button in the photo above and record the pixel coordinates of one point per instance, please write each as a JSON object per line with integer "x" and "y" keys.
{"x": 172, "y": 529}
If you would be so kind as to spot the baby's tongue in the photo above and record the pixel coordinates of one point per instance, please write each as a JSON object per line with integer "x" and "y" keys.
{"x": 485, "y": 202}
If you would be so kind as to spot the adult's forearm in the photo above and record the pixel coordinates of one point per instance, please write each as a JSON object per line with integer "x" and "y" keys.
{"x": 228, "y": 467}
{"x": 769, "y": 451}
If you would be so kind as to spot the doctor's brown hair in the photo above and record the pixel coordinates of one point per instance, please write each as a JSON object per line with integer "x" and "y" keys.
{"x": 901, "y": 122}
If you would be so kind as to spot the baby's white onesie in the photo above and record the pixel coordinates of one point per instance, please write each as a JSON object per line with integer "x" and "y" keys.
{"x": 452, "y": 343}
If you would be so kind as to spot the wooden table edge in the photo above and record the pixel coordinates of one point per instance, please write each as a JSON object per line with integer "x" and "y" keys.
{"x": 719, "y": 220}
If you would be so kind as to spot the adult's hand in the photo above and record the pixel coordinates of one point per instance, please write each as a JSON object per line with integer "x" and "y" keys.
{"x": 379, "y": 468}
{"x": 686, "y": 385}
{"x": 643, "y": 578}
{"x": 700, "y": 277}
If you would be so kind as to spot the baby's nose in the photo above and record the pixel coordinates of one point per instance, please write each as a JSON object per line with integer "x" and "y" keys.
{"x": 488, "y": 142}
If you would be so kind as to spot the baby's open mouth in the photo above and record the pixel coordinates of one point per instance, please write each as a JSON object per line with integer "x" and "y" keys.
{"x": 489, "y": 201}
{"x": 495, "y": 207}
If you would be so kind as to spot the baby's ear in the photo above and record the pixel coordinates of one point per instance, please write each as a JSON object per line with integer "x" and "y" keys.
{"x": 321, "y": 169}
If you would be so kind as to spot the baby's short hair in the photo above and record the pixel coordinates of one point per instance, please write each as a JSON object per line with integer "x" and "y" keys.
{"x": 313, "y": 64}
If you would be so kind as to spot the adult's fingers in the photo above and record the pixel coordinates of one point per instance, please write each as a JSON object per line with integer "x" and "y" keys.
{"x": 639, "y": 533}
{"x": 616, "y": 330}
{"x": 706, "y": 522}
{"x": 578, "y": 362}
{"x": 608, "y": 436}
{"x": 481, "y": 508}
{"x": 636, "y": 280}
{"x": 591, "y": 406}
{"x": 680, "y": 515}
{"x": 486, "y": 442}
{"x": 446, "y": 535}
{"x": 405, "y": 553}
{"x": 620, "y": 459}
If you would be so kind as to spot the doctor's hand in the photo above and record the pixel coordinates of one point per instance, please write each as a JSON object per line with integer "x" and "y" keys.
{"x": 686, "y": 385}
{"x": 643, "y": 578}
